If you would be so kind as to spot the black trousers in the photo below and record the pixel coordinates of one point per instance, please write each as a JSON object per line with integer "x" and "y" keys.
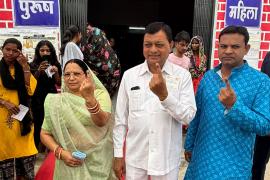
{"x": 38, "y": 115}
{"x": 261, "y": 157}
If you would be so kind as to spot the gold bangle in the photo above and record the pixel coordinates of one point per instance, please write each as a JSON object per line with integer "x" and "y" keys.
{"x": 55, "y": 149}
{"x": 95, "y": 112}
{"x": 60, "y": 151}
{"x": 92, "y": 108}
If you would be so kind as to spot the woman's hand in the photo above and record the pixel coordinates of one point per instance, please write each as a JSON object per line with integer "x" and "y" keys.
{"x": 43, "y": 66}
{"x": 12, "y": 108}
{"x": 54, "y": 69}
{"x": 69, "y": 160}
{"x": 23, "y": 61}
{"x": 119, "y": 167}
{"x": 88, "y": 87}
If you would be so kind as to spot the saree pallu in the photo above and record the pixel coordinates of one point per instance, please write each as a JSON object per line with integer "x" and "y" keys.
{"x": 69, "y": 122}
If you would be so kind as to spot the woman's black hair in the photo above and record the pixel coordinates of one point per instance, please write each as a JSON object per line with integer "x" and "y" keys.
{"x": 69, "y": 34}
{"x": 38, "y": 58}
{"x": 13, "y": 41}
{"x": 80, "y": 63}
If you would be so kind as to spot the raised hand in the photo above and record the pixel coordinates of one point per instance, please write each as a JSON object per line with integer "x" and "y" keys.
{"x": 43, "y": 66}
{"x": 54, "y": 69}
{"x": 227, "y": 95}
{"x": 22, "y": 60}
{"x": 88, "y": 87}
{"x": 157, "y": 84}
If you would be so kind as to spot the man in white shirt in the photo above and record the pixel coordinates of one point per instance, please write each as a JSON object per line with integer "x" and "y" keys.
{"x": 154, "y": 99}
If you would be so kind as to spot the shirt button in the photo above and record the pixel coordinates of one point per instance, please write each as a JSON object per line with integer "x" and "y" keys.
{"x": 152, "y": 132}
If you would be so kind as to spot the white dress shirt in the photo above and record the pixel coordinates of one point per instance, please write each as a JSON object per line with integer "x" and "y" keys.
{"x": 154, "y": 137}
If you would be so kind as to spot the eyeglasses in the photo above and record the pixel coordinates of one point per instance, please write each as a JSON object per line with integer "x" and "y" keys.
{"x": 75, "y": 74}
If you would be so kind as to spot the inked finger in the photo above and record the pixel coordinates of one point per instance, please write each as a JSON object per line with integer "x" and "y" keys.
{"x": 228, "y": 86}
{"x": 89, "y": 74}
{"x": 220, "y": 98}
{"x": 157, "y": 70}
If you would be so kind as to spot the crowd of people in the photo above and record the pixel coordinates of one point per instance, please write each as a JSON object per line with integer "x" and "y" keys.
{"x": 226, "y": 109}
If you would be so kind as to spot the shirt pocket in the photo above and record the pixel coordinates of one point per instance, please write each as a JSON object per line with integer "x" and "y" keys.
{"x": 136, "y": 100}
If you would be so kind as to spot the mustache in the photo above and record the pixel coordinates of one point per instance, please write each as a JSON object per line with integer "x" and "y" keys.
{"x": 227, "y": 57}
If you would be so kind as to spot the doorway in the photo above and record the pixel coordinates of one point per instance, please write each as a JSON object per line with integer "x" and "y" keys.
{"x": 115, "y": 17}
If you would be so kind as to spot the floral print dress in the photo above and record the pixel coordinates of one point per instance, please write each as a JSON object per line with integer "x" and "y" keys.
{"x": 101, "y": 58}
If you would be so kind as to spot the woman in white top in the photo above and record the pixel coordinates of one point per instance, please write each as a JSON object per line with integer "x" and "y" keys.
{"x": 70, "y": 49}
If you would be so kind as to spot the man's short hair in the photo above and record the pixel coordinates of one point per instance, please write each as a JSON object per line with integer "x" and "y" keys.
{"x": 236, "y": 29}
{"x": 155, "y": 27}
{"x": 182, "y": 36}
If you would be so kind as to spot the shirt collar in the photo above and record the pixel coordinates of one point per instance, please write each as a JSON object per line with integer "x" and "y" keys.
{"x": 236, "y": 69}
{"x": 144, "y": 68}
{"x": 167, "y": 68}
